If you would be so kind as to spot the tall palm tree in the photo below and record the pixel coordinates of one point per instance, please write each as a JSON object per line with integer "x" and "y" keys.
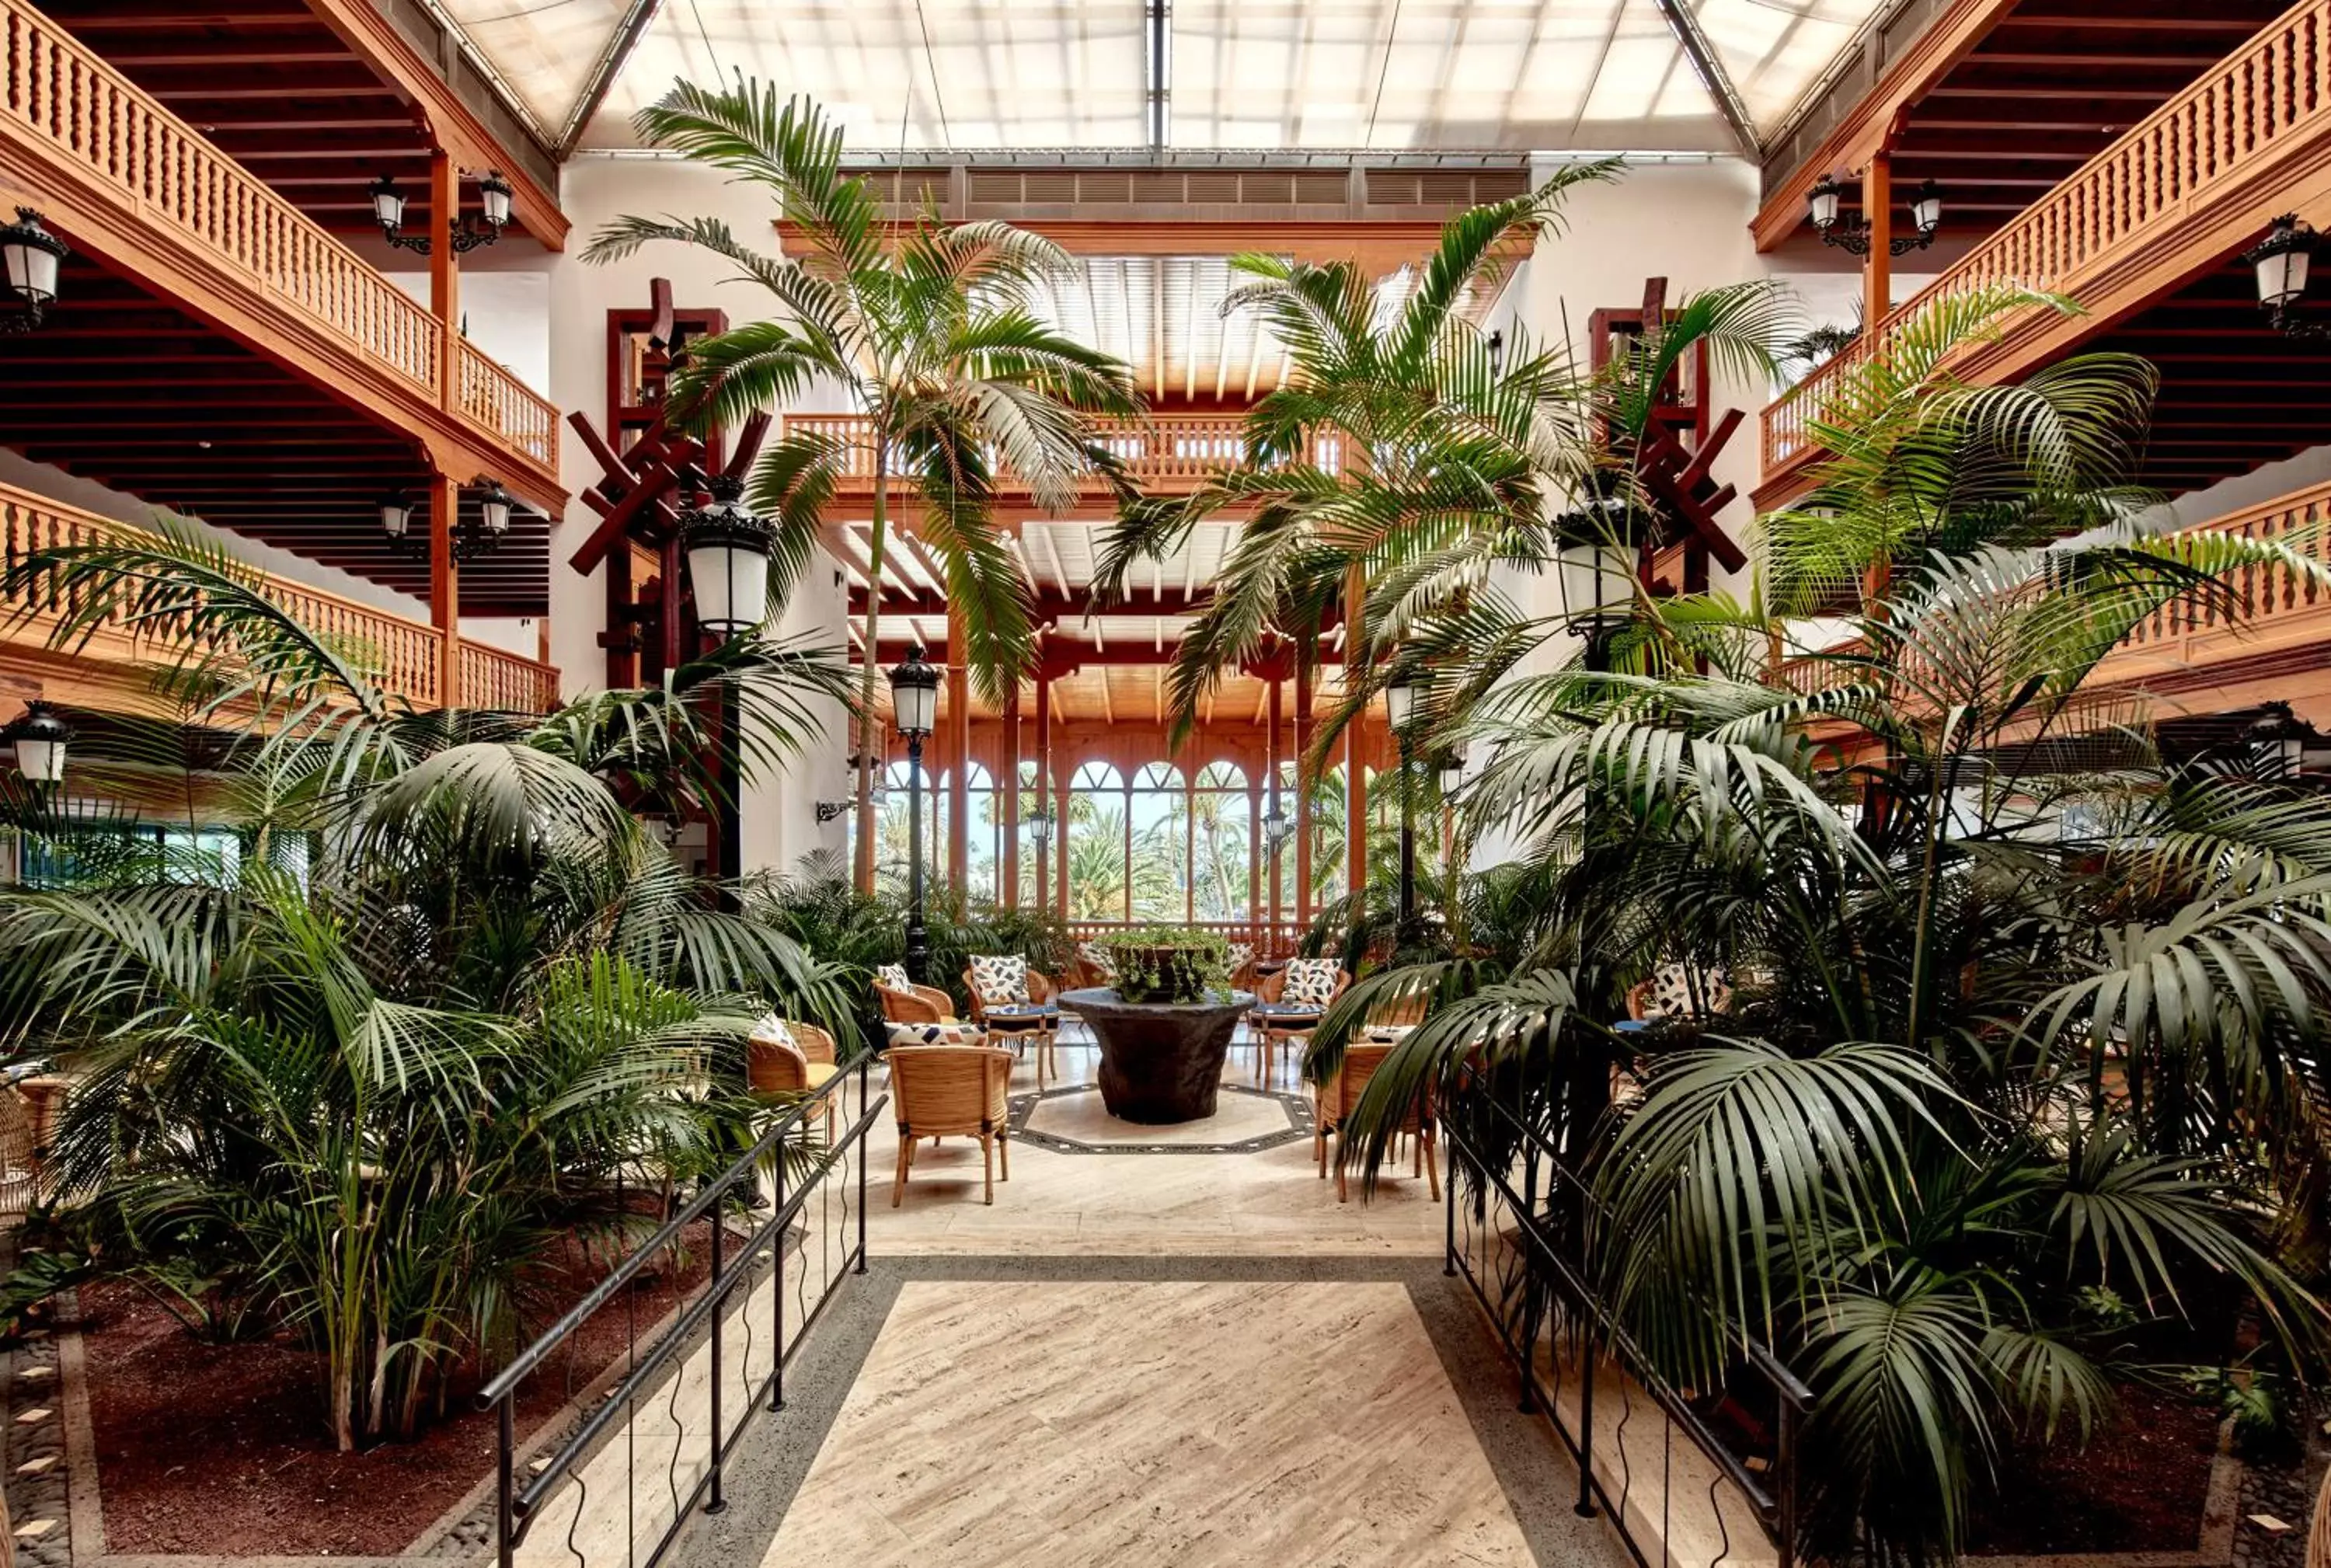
{"x": 927, "y": 329}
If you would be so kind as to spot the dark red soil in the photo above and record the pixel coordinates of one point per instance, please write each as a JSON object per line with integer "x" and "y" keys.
{"x": 2138, "y": 1485}
{"x": 225, "y": 1448}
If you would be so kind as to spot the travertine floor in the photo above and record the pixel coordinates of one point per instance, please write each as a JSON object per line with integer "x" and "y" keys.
{"x": 1135, "y": 1424}
{"x": 1270, "y": 1204}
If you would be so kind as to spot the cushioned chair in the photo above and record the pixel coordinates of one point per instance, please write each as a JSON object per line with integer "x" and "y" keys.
{"x": 915, "y": 1005}
{"x": 777, "y": 1066}
{"x": 1332, "y": 1106}
{"x": 1045, "y": 1032}
{"x": 1275, "y": 1024}
{"x": 951, "y": 1091}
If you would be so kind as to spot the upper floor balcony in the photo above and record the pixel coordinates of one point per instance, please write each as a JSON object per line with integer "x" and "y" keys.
{"x": 2146, "y": 236}
{"x": 403, "y": 658}
{"x": 127, "y": 181}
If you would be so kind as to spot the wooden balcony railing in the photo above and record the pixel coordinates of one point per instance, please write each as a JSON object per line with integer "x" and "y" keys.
{"x": 398, "y": 655}
{"x": 2253, "y": 109}
{"x": 2265, "y": 608}
{"x": 78, "y": 113}
{"x": 506, "y": 682}
{"x": 496, "y": 399}
{"x": 1165, "y": 452}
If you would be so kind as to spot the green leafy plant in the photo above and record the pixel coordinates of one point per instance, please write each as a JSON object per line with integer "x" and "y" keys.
{"x": 1169, "y": 963}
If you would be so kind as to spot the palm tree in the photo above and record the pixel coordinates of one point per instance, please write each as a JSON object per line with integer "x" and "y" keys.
{"x": 2025, "y": 1054}
{"x": 366, "y": 1079}
{"x": 927, "y": 329}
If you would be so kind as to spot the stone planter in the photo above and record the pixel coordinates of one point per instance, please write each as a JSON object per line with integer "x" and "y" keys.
{"x": 1159, "y": 1062}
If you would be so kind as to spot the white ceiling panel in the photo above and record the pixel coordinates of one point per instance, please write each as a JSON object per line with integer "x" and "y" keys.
{"x": 1263, "y": 75}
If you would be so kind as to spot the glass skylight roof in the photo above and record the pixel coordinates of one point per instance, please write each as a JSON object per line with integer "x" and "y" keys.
{"x": 1260, "y": 75}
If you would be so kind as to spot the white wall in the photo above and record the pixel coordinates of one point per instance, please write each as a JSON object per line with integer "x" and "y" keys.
{"x": 506, "y": 314}
{"x": 779, "y": 816}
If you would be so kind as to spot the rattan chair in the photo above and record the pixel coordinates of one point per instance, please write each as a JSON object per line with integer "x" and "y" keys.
{"x": 1044, "y": 1034}
{"x": 951, "y": 1091}
{"x": 774, "y": 1067}
{"x": 916, "y": 1004}
{"x": 1332, "y": 1107}
{"x": 20, "y": 1157}
{"x": 1287, "y": 1028}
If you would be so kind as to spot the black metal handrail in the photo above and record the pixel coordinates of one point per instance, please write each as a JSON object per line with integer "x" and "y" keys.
{"x": 515, "y": 1508}
{"x": 1486, "y": 1139}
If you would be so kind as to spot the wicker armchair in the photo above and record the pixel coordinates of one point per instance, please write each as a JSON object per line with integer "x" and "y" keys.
{"x": 1044, "y": 1033}
{"x": 951, "y": 1090}
{"x": 1272, "y": 1030}
{"x": 773, "y": 1068}
{"x": 1332, "y": 1107}
{"x": 916, "y": 1004}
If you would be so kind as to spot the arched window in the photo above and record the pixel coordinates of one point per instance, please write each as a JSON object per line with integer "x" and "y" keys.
{"x": 1035, "y": 886}
{"x": 984, "y": 845}
{"x": 1328, "y": 799}
{"x": 1222, "y": 830}
{"x": 1094, "y": 834}
{"x": 1157, "y": 850}
{"x": 890, "y": 828}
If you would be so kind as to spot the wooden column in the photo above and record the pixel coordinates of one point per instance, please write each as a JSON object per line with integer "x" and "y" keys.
{"x": 445, "y": 586}
{"x": 1045, "y": 794}
{"x": 1189, "y": 848}
{"x": 1355, "y": 773}
{"x": 1878, "y": 266}
{"x": 1061, "y": 837}
{"x": 1254, "y": 855}
{"x": 444, "y": 277}
{"x": 958, "y": 724}
{"x": 1270, "y": 762}
{"x": 1008, "y": 781}
{"x": 1303, "y": 795}
{"x": 1126, "y": 849}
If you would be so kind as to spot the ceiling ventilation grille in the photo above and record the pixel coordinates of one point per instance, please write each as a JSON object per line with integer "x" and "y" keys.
{"x": 1262, "y": 194}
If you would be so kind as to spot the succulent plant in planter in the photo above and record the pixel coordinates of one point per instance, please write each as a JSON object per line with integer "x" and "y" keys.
{"x": 1167, "y": 963}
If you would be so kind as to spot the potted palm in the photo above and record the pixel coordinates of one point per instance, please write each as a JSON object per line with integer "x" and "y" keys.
{"x": 1164, "y": 1029}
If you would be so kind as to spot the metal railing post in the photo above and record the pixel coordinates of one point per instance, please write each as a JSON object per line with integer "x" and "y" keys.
{"x": 504, "y": 1547}
{"x": 777, "y": 1292}
{"x": 865, "y": 1086}
{"x": 715, "y": 1503}
{"x": 1784, "y": 1483}
{"x": 1585, "y": 1507}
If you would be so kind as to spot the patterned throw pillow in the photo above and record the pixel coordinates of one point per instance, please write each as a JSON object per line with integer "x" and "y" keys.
{"x": 1091, "y": 952}
{"x": 1310, "y": 983}
{"x": 938, "y": 1034}
{"x": 1000, "y": 978}
{"x": 772, "y": 1029}
{"x": 892, "y": 976}
{"x": 1671, "y": 992}
{"x": 1241, "y": 955}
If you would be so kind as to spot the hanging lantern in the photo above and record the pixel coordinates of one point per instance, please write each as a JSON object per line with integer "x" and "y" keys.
{"x": 1277, "y": 829}
{"x": 2278, "y": 741}
{"x": 727, "y": 550}
{"x": 914, "y": 694}
{"x": 1452, "y": 773}
{"x": 1040, "y": 826}
{"x": 1400, "y": 701}
{"x": 1927, "y": 208}
{"x": 387, "y": 205}
{"x": 494, "y": 504}
{"x": 494, "y": 199}
{"x": 1596, "y": 578}
{"x": 1821, "y": 203}
{"x": 41, "y": 738}
{"x": 396, "y": 516}
{"x": 2280, "y": 261}
{"x": 29, "y": 254}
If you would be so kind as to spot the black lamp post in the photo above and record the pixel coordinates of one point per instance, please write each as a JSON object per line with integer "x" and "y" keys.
{"x": 1040, "y": 828}
{"x": 41, "y": 738}
{"x": 914, "y": 707}
{"x": 1594, "y": 567}
{"x": 727, "y": 550}
{"x": 1400, "y": 708}
{"x": 1852, "y": 235}
{"x": 29, "y": 255}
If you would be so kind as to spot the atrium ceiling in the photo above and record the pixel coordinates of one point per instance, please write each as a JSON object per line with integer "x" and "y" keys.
{"x": 1241, "y": 76}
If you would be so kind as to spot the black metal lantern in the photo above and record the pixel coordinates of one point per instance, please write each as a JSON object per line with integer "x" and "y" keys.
{"x": 1400, "y": 701}
{"x": 1852, "y": 234}
{"x": 1278, "y": 827}
{"x": 1497, "y": 354}
{"x": 494, "y": 195}
{"x": 2280, "y": 263}
{"x": 1040, "y": 826}
{"x": 2278, "y": 741}
{"x": 914, "y": 694}
{"x": 727, "y": 551}
{"x": 397, "y": 520}
{"x": 29, "y": 254}
{"x": 1451, "y": 772}
{"x": 494, "y": 504}
{"x": 39, "y": 738}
